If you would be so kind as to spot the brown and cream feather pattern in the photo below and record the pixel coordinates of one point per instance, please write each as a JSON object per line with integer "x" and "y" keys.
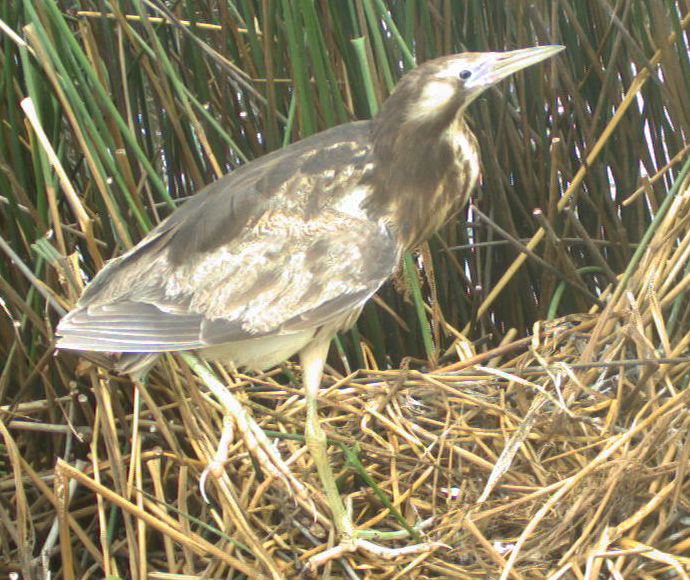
{"x": 279, "y": 246}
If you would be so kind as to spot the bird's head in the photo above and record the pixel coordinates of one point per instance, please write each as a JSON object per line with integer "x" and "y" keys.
{"x": 425, "y": 157}
{"x": 443, "y": 87}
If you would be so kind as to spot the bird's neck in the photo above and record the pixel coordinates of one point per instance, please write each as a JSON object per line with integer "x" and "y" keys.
{"x": 424, "y": 170}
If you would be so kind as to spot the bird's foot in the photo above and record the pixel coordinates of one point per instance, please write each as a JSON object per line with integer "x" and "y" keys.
{"x": 356, "y": 540}
{"x": 257, "y": 442}
{"x": 260, "y": 448}
{"x": 215, "y": 466}
{"x": 355, "y": 544}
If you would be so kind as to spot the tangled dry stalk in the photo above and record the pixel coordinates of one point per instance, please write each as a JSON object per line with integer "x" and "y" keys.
{"x": 562, "y": 455}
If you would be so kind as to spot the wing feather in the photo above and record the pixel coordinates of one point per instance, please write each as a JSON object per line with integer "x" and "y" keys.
{"x": 280, "y": 246}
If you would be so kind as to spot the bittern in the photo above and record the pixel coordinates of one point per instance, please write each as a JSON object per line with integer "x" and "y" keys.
{"x": 276, "y": 257}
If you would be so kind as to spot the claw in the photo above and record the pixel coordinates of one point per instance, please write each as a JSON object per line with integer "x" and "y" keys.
{"x": 202, "y": 483}
{"x": 254, "y": 438}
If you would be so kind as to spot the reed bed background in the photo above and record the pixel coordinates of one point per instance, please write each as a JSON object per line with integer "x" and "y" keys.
{"x": 521, "y": 386}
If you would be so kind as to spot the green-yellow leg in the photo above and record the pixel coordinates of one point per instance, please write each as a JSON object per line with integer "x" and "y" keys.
{"x": 313, "y": 359}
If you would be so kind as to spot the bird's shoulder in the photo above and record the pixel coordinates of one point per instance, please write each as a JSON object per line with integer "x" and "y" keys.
{"x": 302, "y": 178}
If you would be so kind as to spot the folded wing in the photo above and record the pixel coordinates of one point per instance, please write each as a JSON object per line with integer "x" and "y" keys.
{"x": 280, "y": 246}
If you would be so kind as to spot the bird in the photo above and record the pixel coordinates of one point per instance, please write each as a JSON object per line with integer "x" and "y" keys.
{"x": 278, "y": 256}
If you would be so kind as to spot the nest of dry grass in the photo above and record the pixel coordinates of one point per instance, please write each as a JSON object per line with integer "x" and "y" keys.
{"x": 563, "y": 455}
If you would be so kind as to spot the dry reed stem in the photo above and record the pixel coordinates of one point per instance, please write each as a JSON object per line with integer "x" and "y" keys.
{"x": 567, "y": 480}
{"x": 561, "y": 455}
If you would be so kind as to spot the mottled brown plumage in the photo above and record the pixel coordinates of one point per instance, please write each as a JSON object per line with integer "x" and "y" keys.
{"x": 274, "y": 249}
{"x": 276, "y": 257}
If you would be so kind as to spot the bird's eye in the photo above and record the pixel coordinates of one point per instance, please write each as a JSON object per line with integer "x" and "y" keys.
{"x": 465, "y": 74}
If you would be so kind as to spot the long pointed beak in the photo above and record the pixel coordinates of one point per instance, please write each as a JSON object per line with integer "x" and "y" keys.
{"x": 499, "y": 65}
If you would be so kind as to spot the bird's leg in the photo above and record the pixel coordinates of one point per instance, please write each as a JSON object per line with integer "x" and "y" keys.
{"x": 254, "y": 437}
{"x": 313, "y": 359}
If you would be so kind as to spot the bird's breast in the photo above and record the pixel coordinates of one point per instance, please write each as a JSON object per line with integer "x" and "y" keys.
{"x": 466, "y": 153}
